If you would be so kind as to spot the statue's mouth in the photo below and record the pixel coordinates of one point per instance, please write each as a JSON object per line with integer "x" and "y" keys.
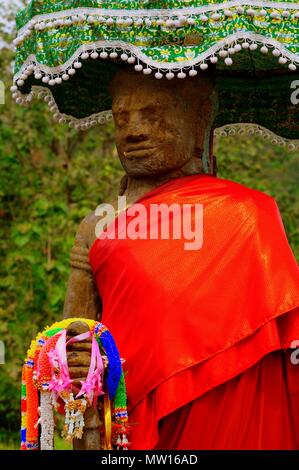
{"x": 135, "y": 152}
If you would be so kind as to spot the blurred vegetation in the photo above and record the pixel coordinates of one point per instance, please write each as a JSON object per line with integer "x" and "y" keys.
{"x": 50, "y": 178}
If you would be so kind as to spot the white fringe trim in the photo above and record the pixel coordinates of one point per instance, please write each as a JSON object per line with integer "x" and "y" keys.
{"x": 105, "y": 116}
{"x": 45, "y": 94}
{"x": 170, "y": 13}
{"x": 130, "y": 53}
{"x": 255, "y": 129}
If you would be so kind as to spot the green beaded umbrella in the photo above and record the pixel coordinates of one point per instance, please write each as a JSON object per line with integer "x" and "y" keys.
{"x": 67, "y": 51}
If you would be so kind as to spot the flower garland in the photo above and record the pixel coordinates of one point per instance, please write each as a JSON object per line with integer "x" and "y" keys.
{"x": 46, "y": 384}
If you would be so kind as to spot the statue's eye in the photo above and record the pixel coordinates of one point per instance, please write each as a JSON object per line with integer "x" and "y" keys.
{"x": 121, "y": 118}
{"x": 151, "y": 110}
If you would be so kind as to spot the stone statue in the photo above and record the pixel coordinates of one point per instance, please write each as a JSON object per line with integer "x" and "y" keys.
{"x": 163, "y": 131}
{"x": 205, "y": 334}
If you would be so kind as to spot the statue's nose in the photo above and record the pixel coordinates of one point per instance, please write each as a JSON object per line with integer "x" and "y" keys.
{"x": 136, "y": 128}
{"x": 136, "y": 137}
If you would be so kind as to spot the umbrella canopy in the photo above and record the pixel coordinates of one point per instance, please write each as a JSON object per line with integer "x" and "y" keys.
{"x": 68, "y": 51}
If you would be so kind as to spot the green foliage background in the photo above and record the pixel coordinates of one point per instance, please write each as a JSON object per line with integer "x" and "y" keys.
{"x": 50, "y": 178}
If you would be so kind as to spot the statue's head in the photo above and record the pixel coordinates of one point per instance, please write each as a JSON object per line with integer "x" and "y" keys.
{"x": 161, "y": 124}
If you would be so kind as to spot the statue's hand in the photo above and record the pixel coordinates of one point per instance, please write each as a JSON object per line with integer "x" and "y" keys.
{"x": 78, "y": 354}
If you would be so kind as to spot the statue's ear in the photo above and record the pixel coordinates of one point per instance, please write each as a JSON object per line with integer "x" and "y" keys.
{"x": 123, "y": 185}
{"x": 204, "y": 144}
{"x": 200, "y": 139}
{"x": 214, "y": 165}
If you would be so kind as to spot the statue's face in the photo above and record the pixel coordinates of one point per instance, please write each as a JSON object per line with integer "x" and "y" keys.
{"x": 156, "y": 128}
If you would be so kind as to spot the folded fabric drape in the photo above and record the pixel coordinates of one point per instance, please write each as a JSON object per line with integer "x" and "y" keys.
{"x": 187, "y": 321}
{"x": 257, "y": 410}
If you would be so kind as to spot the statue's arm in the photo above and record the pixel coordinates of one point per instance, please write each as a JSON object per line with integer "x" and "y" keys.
{"x": 82, "y": 299}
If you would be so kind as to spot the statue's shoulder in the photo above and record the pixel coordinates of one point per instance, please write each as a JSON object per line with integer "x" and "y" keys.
{"x": 86, "y": 230}
{"x": 86, "y": 233}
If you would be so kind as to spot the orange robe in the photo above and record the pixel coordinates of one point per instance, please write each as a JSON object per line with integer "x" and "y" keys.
{"x": 206, "y": 333}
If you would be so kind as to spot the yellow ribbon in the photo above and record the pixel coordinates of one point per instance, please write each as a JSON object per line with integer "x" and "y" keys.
{"x": 108, "y": 424}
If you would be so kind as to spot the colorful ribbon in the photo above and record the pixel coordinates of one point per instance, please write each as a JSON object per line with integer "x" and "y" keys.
{"x": 92, "y": 387}
{"x": 60, "y": 382}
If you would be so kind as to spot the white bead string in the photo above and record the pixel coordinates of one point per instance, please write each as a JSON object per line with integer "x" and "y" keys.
{"x": 46, "y": 421}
